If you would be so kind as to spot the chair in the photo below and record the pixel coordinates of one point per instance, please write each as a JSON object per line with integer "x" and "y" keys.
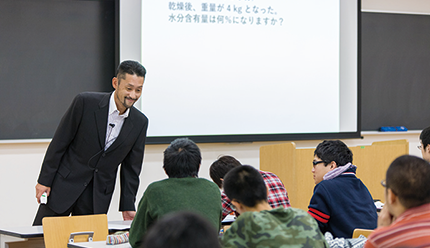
{"x": 57, "y": 230}
{"x": 365, "y": 232}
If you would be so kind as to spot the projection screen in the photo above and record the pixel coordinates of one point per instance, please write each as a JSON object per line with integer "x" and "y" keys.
{"x": 250, "y": 70}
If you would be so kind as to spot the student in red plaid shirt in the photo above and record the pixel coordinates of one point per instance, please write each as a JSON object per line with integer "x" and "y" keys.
{"x": 277, "y": 196}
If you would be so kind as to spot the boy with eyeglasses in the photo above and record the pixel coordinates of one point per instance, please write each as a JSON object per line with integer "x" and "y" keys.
{"x": 405, "y": 219}
{"x": 341, "y": 202}
{"x": 424, "y": 147}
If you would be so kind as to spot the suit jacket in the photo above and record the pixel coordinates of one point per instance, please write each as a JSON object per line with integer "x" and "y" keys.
{"x": 76, "y": 155}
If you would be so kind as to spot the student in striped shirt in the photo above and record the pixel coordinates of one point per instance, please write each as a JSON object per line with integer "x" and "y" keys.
{"x": 277, "y": 197}
{"x": 405, "y": 219}
{"x": 341, "y": 202}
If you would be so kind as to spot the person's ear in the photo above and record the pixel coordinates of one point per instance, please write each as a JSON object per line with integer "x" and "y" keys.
{"x": 222, "y": 183}
{"x": 115, "y": 82}
{"x": 332, "y": 165}
{"x": 391, "y": 197}
{"x": 427, "y": 149}
{"x": 238, "y": 206}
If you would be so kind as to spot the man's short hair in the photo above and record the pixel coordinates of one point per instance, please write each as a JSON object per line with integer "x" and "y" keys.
{"x": 245, "y": 185}
{"x": 181, "y": 230}
{"x": 182, "y": 158}
{"x": 130, "y": 67}
{"x": 425, "y": 137}
{"x": 333, "y": 150}
{"x": 408, "y": 177}
{"x": 220, "y": 167}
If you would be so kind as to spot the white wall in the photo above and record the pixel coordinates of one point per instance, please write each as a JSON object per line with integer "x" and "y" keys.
{"x": 20, "y": 161}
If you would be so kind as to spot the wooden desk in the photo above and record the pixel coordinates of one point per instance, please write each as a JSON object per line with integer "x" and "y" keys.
{"x": 32, "y": 236}
{"x": 97, "y": 244}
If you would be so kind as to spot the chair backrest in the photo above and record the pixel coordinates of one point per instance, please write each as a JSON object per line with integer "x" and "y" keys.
{"x": 57, "y": 230}
{"x": 365, "y": 232}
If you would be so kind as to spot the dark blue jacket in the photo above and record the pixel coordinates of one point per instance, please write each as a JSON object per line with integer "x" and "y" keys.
{"x": 342, "y": 204}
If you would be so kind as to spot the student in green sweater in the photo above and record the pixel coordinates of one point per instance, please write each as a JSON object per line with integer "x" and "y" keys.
{"x": 183, "y": 190}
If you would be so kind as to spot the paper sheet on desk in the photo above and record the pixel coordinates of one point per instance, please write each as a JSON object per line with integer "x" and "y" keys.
{"x": 229, "y": 218}
{"x": 119, "y": 225}
{"x": 379, "y": 205}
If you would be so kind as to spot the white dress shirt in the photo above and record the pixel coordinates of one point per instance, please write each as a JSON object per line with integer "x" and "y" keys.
{"x": 114, "y": 123}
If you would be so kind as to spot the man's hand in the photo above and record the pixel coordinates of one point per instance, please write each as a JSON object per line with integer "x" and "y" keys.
{"x": 385, "y": 218}
{"x": 40, "y": 189}
{"x": 128, "y": 215}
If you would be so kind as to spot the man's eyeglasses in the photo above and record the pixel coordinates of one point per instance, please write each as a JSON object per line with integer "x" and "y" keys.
{"x": 317, "y": 162}
{"x": 419, "y": 147}
{"x": 232, "y": 207}
{"x": 384, "y": 184}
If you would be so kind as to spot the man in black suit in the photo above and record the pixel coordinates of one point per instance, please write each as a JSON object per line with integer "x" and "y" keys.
{"x": 98, "y": 132}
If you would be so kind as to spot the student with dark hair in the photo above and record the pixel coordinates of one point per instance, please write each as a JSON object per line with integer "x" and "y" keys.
{"x": 182, "y": 159}
{"x": 97, "y": 133}
{"x": 183, "y": 190}
{"x": 258, "y": 224}
{"x": 341, "y": 202}
{"x": 182, "y": 229}
{"x": 276, "y": 197}
{"x": 405, "y": 219}
{"x": 425, "y": 144}
{"x": 221, "y": 167}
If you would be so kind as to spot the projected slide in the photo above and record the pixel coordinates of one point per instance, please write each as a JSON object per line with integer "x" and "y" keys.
{"x": 242, "y": 67}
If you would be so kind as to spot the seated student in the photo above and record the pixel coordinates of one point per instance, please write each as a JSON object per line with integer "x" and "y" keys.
{"x": 277, "y": 196}
{"x": 425, "y": 144}
{"x": 405, "y": 219}
{"x": 341, "y": 202}
{"x": 258, "y": 224}
{"x": 183, "y": 190}
{"x": 182, "y": 229}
